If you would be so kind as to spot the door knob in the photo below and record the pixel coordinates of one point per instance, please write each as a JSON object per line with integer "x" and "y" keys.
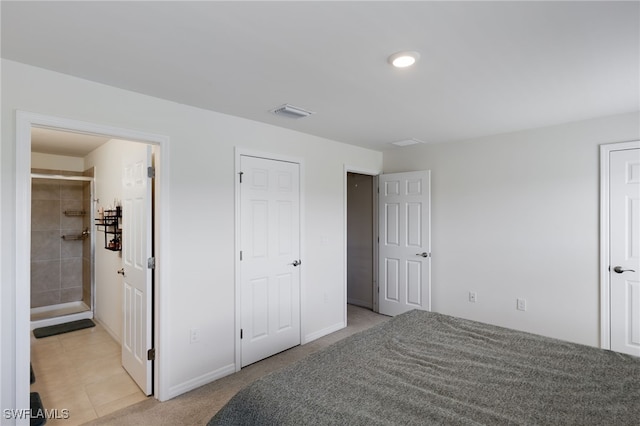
{"x": 297, "y": 262}
{"x": 423, "y": 254}
{"x": 121, "y": 272}
{"x": 619, "y": 270}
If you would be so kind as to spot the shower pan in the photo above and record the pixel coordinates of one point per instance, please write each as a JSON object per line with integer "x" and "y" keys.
{"x": 62, "y": 247}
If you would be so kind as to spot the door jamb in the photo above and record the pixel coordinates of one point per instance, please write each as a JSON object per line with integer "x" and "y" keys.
{"x": 24, "y": 122}
{"x": 375, "y": 173}
{"x": 605, "y": 284}
{"x": 238, "y": 153}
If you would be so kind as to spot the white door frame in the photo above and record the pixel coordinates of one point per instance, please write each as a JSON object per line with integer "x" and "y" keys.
{"x": 369, "y": 172}
{"x": 239, "y": 152}
{"x": 22, "y": 290}
{"x": 605, "y": 284}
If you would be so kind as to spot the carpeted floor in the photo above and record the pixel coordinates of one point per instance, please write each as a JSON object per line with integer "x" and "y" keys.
{"x": 198, "y": 406}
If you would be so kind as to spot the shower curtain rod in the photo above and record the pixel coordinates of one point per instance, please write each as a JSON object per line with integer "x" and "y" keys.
{"x": 60, "y": 177}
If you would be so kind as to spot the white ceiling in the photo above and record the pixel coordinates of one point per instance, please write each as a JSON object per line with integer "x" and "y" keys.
{"x": 486, "y": 67}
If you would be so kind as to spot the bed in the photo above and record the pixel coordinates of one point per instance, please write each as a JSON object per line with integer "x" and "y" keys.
{"x": 428, "y": 368}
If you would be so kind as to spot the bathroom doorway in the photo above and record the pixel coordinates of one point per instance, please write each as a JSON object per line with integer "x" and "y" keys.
{"x": 76, "y": 180}
{"x": 25, "y": 122}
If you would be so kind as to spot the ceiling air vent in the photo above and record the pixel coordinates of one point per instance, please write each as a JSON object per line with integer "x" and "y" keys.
{"x": 291, "y": 111}
{"x": 407, "y": 142}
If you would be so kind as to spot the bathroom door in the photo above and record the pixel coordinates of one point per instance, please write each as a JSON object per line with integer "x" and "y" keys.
{"x": 136, "y": 251}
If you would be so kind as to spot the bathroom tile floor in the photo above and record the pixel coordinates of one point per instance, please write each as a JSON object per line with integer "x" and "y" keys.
{"x": 81, "y": 372}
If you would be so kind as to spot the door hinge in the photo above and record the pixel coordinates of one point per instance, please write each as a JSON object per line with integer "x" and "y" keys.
{"x": 240, "y": 254}
{"x": 241, "y": 173}
{"x": 151, "y": 263}
{"x": 151, "y": 172}
{"x": 241, "y": 333}
{"x": 151, "y": 354}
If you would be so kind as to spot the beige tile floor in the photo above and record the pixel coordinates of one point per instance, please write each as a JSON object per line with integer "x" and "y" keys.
{"x": 81, "y": 372}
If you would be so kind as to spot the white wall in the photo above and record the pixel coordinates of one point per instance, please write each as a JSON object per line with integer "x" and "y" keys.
{"x": 516, "y": 215}
{"x": 200, "y": 289}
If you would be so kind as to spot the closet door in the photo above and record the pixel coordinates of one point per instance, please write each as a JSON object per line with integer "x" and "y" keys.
{"x": 270, "y": 257}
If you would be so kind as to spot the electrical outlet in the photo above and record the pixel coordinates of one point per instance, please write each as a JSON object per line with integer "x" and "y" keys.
{"x": 473, "y": 296}
{"x": 194, "y": 335}
{"x": 521, "y": 304}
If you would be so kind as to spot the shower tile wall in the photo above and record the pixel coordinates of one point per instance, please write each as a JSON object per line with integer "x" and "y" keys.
{"x": 56, "y": 264}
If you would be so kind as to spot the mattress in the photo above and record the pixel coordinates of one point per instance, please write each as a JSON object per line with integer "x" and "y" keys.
{"x": 428, "y": 368}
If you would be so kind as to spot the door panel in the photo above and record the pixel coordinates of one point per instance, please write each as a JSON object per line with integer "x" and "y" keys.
{"x": 414, "y": 223}
{"x": 414, "y": 283}
{"x": 392, "y": 280}
{"x": 624, "y": 181}
{"x": 270, "y": 243}
{"x": 392, "y": 221}
{"x": 284, "y": 306}
{"x": 404, "y": 209}
{"x": 136, "y": 249}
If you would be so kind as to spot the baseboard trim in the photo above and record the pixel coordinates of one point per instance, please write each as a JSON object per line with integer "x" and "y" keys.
{"x": 321, "y": 333}
{"x": 196, "y": 382}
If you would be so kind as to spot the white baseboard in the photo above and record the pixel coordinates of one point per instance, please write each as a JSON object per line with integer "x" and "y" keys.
{"x": 196, "y": 382}
{"x": 321, "y": 333}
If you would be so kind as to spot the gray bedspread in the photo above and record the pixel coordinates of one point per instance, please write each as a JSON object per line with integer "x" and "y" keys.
{"x": 428, "y": 368}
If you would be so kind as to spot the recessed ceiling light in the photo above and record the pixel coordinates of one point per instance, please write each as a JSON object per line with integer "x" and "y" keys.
{"x": 404, "y": 59}
{"x": 407, "y": 142}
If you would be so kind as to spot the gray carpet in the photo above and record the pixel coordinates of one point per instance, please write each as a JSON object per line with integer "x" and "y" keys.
{"x": 198, "y": 406}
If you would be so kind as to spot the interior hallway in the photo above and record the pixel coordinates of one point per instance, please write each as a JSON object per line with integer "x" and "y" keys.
{"x": 81, "y": 372}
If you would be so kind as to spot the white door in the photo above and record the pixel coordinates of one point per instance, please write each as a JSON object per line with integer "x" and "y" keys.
{"x": 624, "y": 210}
{"x": 405, "y": 242}
{"x": 136, "y": 251}
{"x": 270, "y": 257}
